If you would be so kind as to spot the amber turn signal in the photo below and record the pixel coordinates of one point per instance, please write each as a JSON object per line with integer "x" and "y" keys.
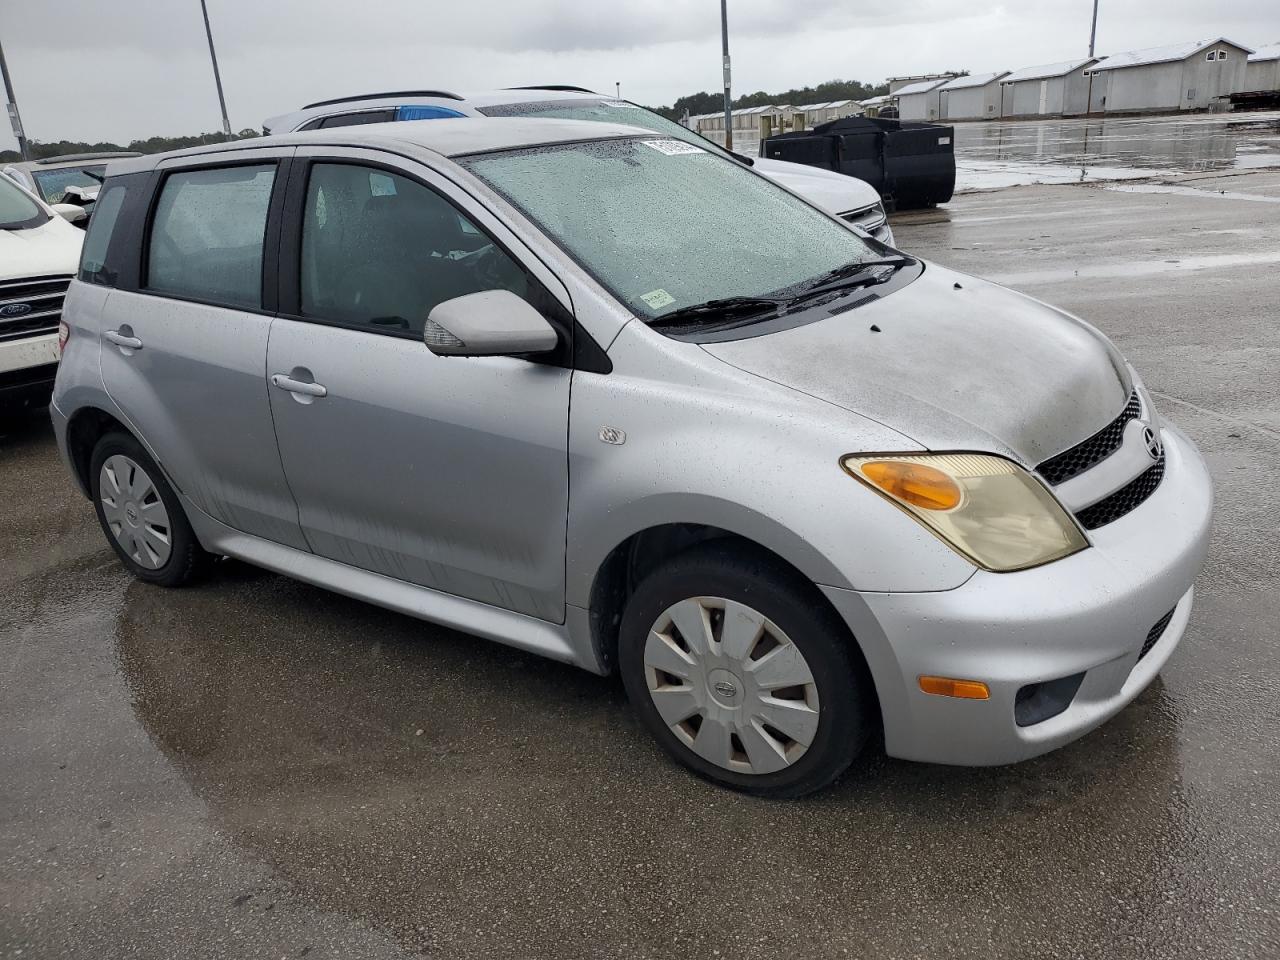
{"x": 947, "y": 687}
{"x": 915, "y": 483}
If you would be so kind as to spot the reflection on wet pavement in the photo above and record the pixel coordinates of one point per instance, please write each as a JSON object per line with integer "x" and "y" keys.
{"x": 1001, "y": 154}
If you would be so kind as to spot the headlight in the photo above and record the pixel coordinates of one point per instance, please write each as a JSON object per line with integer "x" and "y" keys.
{"x": 986, "y": 508}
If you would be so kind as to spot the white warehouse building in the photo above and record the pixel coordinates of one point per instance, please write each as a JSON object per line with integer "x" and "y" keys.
{"x": 975, "y": 97}
{"x": 1185, "y": 76}
{"x": 1051, "y": 89}
{"x": 921, "y": 100}
{"x": 1263, "y": 69}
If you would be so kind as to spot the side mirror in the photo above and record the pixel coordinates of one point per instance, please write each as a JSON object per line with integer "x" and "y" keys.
{"x": 70, "y": 212}
{"x": 487, "y": 324}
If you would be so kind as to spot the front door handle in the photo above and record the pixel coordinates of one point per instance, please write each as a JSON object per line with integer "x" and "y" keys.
{"x": 124, "y": 340}
{"x": 303, "y": 387}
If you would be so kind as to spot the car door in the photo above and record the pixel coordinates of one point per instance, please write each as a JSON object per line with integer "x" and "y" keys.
{"x": 446, "y": 472}
{"x": 185, "y": 341}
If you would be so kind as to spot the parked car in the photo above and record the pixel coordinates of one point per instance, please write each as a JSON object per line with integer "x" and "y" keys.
{"x": 49, "y": 178}
{"x": 612, "y": 398}
{"x": 39, "y": 250}
{"x": 849, "y": 198}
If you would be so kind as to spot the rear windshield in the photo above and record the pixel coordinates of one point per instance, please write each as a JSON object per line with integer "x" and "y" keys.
{"x": 601, "y": 111}
{"x": 53, "y": 184}
{"x": 18, "y": 210}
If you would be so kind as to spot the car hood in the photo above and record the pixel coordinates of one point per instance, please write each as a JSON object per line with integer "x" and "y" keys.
{"x": 51, "y": 249}
{"x": 834, "y": 192}
{"x": 957, "y": 364}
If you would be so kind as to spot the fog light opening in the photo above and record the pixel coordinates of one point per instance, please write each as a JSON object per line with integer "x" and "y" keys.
{"x": 1038, "y": 702}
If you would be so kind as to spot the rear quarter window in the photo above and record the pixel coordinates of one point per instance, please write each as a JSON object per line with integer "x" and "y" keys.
{"x": 93, "y": 256}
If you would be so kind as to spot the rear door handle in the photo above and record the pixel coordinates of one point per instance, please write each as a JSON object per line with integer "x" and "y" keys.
{"x": 123, "y": 340}
{"x": 285, "y": 382}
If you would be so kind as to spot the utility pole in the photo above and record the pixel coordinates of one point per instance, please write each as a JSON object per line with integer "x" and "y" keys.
{"x": 12, "y": 102}
{"x": 1093, "y": 31}
{"x": 728, "y": 99}
{"x": 217, "y": 77}
{"x": 618, "y": 87}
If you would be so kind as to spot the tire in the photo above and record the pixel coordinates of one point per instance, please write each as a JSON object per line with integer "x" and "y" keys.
{"x": 826, "y": 695}
{"x": 138, "y": 511}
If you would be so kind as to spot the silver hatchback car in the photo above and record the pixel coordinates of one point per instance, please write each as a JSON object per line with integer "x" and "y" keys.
{"x": 620, "y": 401}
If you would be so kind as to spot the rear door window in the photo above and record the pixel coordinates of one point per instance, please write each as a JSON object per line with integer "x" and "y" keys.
{"x": 355, "y": 119}
{"x": 207, "y": 235}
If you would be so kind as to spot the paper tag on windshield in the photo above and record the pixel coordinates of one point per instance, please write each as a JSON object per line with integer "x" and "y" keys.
{"x": 619, "y": 104}
{"x": 657, "y": 299}
{"x": 672, "y": 148}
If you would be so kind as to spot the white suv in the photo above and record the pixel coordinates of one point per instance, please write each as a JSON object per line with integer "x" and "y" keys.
{"x": 39, "y": 251}
{"x": 849, "y": 198}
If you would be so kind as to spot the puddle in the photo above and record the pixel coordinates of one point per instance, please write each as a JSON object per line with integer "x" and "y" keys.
{"x": 1192, "y": 192}
{"x": 1015, "y": 153}
{"x": 1141, "y": 268}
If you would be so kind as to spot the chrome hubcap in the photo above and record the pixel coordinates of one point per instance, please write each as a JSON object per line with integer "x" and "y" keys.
{"x": 134, "y": 512}
{"x": 731, "y": 685}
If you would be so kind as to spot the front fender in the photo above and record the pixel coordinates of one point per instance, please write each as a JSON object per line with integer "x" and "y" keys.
{"x": 706, "y": 443}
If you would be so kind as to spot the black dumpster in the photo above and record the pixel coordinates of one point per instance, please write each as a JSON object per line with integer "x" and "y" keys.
{"x": 911, "y": 164}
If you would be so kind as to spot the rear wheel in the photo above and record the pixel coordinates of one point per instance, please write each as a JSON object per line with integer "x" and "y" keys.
{"x": 141, "y": 515}
{"x": 742, "y": 674}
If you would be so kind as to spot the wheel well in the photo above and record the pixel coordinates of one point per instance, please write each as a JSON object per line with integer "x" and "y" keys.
{"x": 86, "y": 428}
{"x": 633, "y": 559}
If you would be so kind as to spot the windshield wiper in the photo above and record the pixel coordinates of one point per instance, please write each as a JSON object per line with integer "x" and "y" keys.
{"x": 857, "y": 273}
{"x": 726, "y": 309}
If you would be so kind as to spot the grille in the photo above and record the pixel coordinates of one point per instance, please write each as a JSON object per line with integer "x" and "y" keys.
{"x": 872, "y": 219}
{"x": 1155, "y": 633}
{"x": 43, "y": 295}
{"x": 1082, "y": 456}
{"x": 1127, "y": 498}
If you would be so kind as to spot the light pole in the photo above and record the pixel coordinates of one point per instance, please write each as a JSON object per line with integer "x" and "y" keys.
{"x": 618, "y": 88}
{"x": 14, "y": 119}
{"x": 1093, "y": 31}
{"x": 217, "y": 77}
{"x": 728, "y": 99}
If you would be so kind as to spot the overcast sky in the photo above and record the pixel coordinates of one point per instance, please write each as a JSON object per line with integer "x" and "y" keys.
{"x": 120, "y": 69}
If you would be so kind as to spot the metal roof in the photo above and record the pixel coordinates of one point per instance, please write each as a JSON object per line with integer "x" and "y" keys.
{"x": 1270, "y": 52}
{"x": 831, "y": 105}
{"x": 1047, "y": 70}
{"x": 924, "y": 86}
{"x": 1169, "y": 54}
{"x": 973, "y": 80}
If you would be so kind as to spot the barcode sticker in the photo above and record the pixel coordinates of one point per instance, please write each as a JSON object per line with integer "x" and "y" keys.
{"x": 672, "y": 148}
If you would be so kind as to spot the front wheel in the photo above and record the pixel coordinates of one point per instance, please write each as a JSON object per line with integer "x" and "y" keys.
{"x": 742, "y": 674}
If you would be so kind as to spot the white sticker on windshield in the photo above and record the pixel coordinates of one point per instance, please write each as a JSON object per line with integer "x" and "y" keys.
{"x": 657, "y": 299}
{"x": 672, "y": 148}
{"x": 619, "y": 104}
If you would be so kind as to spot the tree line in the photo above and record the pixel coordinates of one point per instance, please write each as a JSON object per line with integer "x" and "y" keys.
{"x": 696, "y": 103}
{"x": 58, "y": 148}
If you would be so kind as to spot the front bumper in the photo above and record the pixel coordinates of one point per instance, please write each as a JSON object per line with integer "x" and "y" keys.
{"x": 1088, "y": 613}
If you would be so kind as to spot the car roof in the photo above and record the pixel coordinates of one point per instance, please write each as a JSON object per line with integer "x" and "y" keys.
{"x": 475, "y": 100}
{"x": 71, "y": 160}
{"x": 448, "y": 138}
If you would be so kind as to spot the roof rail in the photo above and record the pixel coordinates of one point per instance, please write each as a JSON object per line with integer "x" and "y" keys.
{"x": 380, "y": 96}
{"x": 72, "y": 157}
{"x": 555, "y": 87}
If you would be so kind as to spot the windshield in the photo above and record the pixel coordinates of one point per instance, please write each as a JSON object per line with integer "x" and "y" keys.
{"x": 53, "y": 183}
{"x": 17, "y": 208}
{"x": 664, "y": 224}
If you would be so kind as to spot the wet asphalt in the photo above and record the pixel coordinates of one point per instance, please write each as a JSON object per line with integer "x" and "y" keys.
{"x": 257, "y": 768}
